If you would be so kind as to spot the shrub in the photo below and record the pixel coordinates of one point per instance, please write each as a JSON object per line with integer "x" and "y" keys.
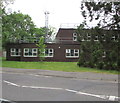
{"x": 100, "y": 65}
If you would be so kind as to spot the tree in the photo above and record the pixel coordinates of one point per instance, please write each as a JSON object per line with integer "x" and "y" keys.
{"x": 38, "y": 32}
{"x": 16, "y": 26}
{"x": 42, "y": 31}
{"x": 107, "y": 13}
{"x": 107, "y": 32}
{"x": 41, "y": 47}
{"x": 3, "y": 5}
{"x": 99, "y": 48}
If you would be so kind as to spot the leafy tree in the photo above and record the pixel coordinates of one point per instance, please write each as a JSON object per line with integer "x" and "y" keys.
{"x": 103, "y": 53}
{"x": 41, "y": 47}
{"x": 3, "y": 5}
{"x": 107, "y": 13}
{"x": 107, "y": 32}
{"x": 51, "y": 31}
{"x": 16, "y": 26}
{"x": 38, "y": 32}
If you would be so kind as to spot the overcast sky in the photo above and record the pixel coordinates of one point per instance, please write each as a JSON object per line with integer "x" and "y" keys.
{"x": 61, "y": 11}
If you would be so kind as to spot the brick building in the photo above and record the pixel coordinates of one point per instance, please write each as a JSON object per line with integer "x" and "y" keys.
{"x": 65, "y": 48}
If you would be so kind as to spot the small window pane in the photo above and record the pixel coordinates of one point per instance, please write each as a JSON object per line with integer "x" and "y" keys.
{"x": 25, "y": 49}
{"x": 26, "y": 53}
{"x": 50, "y": 54}
{"x": 76, "y": 50}
{"x": 67, "y": 50}
{"x": 12, "y": 50}
{"x": 34, "y": 54}
{"x": 76, "y": 54}
{"x": 12, "y": 53}
{"x": 51, "y": 50}
{"x": 34, "y": 50}
{"x": 68, "y": 54}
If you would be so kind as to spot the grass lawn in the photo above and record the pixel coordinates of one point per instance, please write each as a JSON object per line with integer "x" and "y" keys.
{"x": 57, "y": 66}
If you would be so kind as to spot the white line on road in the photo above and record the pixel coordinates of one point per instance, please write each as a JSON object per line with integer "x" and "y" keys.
{"x": 10, "y": 83}
{"x": 5, "y": 100}
{"x": 111, "y": 98}
{"x": 71, "y": 90}
{"x": 35, "y": 87}
{"x": 93, "y": 95}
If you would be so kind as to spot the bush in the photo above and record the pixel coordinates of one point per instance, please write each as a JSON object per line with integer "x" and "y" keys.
{"x": 100, "y": 65}
{"x": 80, "y": 62}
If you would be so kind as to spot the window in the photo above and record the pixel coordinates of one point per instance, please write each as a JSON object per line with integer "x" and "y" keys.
{"x": 103, "y": 54}
{"x": 114, "y": 37}
{"x": 30, "y": 52}
{"x": 88, "y": 37}
{"x": 103, "y": 37}
{"x": 74, "y": 37}
{"x": 15, "y": 52}
{"x": 48, "y": 52}
{"x": 96, "y": 37}
{"x": 72, "y": 53}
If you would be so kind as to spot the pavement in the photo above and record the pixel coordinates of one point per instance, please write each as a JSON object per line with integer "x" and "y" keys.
{"x": 77, "y": 75}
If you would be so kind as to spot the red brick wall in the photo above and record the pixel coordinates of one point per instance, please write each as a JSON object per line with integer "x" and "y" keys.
{"x": 59, "y": 52}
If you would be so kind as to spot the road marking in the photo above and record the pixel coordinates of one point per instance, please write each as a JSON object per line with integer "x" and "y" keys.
{"x": 10, "y": 83}
{"x": 35, "y": 87}
{"x": 93, "y": 95}
{"x": 5, "y": 100}
{"x": 110, "y": 98}
{"x": 71, "y": 90}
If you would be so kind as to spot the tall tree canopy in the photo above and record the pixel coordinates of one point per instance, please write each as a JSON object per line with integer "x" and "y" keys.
{"x": 16, "y": 26}
{"x": 108, "y": 13}
{"x": 5, "y": 3}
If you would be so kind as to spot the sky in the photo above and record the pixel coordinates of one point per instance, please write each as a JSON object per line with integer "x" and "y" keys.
{"x": 62, "y": 12}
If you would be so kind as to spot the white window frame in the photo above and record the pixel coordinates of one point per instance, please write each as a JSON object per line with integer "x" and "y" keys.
{"x": 88, "y": 37}
{"x": 50, "y": 51}
{"x": 27, "y": 50}
{"x": 83, "y": 39}
{"x": 104, "y": 54}
{"x": 13, "y": 50}
{"x": 96, "y": 38}
{"x": 74, "y": 36}
{"x": 103, "y": 37}
{"x": 113, "y": 37}
{"x": 70, "y": 56}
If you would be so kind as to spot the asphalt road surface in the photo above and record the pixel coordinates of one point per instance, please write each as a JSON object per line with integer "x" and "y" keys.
{"x": 31, "y": 87}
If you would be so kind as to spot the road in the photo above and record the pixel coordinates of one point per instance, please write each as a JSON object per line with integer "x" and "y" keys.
{"x": 32, "y": 87}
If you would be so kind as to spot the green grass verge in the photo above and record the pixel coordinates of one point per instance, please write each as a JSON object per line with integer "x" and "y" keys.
{"x": 57, "y": 66}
